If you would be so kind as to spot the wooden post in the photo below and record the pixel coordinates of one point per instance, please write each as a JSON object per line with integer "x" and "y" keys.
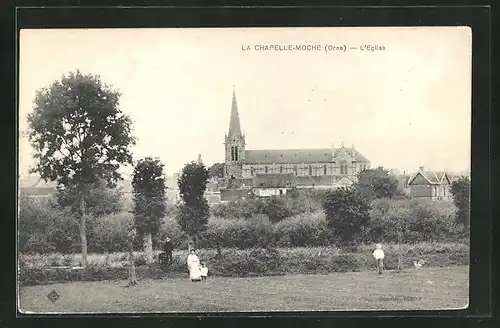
{"x": 132, "y": 281}
{"x": 400, "y": 256}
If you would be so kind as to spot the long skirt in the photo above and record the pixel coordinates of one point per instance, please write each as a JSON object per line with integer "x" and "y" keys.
{"x": 194, "y": 272}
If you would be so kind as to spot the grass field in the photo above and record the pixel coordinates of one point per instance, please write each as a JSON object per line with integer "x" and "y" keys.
{"x": 426, "y": 288}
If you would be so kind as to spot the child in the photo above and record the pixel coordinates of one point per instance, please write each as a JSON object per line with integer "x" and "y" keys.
{"x": 378, "y": 254}
{"x": 204, "y": 271}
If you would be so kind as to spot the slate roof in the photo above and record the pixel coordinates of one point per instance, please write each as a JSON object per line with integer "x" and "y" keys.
{"x": 296, "y": 156}
{"x": 431, "y": 176}
{"x": 274, "y": 180}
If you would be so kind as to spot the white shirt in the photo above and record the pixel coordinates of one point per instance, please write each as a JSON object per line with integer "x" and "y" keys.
{"x": 204, "y": 271}
{"x": 378, "y": 254}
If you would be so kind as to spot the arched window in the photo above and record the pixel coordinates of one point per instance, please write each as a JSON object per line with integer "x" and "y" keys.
{"x": 324, "y": 170}
{"x": 310, "y": 170}
{"x": 236, "y": 153}
{"x": 281, "y": 169}
{"x": 232, "y": 153}
{"x": 266, "y": 170}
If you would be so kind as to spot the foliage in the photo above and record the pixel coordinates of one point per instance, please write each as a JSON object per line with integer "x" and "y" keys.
{"x": 293, "y": 203}
{"x": 110, "y": 232}
{"x": 148, "y": 184}
{"x": 216, "y": 170}
{"x": 78, "y": 132}
{"x": 101, "y": 199}
{"x": 238, "y": 263}
{"x": 79, "y": 136}
{"x": 276, "y": 209}
{"x": 193, "y": 211}
{"x": 377, "y": 183}
{"x": 303, "y": 230}
{"x": 460, "y": 190}
{"x": 239, "y": 233}
{"x": 45, "y": 228}
{"x": 418, "y": 221}
{"x": 347, "y": 212}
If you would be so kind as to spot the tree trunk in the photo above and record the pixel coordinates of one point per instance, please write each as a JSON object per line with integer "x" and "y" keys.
{"x": 400, "y": 255}
{"x": 219, "y": 251}
{"x": 148, "y": 247}
{"x": 83, "y": 233}
{"x": 132, "y": 281}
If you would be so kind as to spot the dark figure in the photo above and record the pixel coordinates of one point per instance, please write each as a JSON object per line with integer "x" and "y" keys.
{"x": 168, "y": 248}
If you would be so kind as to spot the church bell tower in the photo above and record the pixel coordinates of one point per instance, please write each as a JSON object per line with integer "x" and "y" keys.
{"x": 234, "y": 145}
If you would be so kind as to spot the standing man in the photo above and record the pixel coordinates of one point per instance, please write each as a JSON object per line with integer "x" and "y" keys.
{"x": 168, "y": 248}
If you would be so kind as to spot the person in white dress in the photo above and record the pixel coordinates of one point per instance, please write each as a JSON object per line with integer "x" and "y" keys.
{"x": 204, "y": 271}
{"x": 193, "y": 263}
{"x": 378, "y": 254}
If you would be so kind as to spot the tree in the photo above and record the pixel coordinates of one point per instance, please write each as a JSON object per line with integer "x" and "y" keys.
{"x": 377, "y": 183}
{"x": 148, "y": 184}
{"x": 132, "y": 280}
{"x": 460, "y": 190}
{"x": 193, "y": 210}
{"x": 79, "y": 135}
{"x": 216, "y": 171}
{"x": 346, "y": 211}
{"x": 101, "y": 199}
{"x": 276, "y": 209}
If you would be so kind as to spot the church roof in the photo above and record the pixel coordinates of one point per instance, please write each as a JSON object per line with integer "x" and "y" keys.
{"x": 296, "y": 156}
{"x": 234, "y": 122}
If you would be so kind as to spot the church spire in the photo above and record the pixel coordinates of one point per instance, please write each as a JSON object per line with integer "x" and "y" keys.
{"x": 234, "y": 123}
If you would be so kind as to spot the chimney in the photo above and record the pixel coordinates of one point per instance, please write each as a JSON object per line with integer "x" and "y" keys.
{"x": 421, "y": 168}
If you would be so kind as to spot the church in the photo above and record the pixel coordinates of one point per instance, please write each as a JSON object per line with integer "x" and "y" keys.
{"x": 281, "y": 169}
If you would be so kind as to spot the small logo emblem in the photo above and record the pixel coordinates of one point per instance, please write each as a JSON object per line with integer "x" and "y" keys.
{"x": 53, "y": 296}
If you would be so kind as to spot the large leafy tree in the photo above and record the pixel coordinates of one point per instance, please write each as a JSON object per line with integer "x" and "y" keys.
{"x": 377, "y": 183}
{"x": 148, "y": 184}
{"x": 460, "y": 190}
{"x": 79, "y": 135}
{"x": 193, "y": 210}
{"x": 216, "y": 170}
{"x": 347, "y": 212}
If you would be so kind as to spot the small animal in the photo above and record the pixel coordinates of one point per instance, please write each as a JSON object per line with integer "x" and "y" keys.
{"x": 418, "y": 264}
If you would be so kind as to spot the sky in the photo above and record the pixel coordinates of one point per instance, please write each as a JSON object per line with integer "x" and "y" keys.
{"x": 403, "y": 107}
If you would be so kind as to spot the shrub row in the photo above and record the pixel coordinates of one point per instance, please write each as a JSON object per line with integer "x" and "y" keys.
{"x": 34, "y": 270}
{"x": 44, "y": 230}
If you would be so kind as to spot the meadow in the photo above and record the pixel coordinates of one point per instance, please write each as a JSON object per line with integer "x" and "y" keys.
{"x": 411, "y": 289}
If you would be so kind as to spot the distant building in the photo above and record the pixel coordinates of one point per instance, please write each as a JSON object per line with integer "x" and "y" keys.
{"x": 430, "y": 185}
{"x": 311, "y": 168}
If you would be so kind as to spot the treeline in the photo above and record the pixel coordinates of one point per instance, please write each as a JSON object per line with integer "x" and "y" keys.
{"x": 49, "y": 228}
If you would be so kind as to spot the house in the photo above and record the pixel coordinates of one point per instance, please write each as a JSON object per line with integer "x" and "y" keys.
{"x": 429, "y": 185}
{"x": 267, "y": 185}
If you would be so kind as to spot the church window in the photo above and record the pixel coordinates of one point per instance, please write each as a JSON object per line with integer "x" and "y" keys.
{"x": 251, "y": 171}
{"x": 281, "y": 169}
{"x": 266, "y": 170}
{"x": 295, "y": 170}
{"x": 310, "y": 170}
{"x": 324, "y": 169}
{"x": 236, "y": 153}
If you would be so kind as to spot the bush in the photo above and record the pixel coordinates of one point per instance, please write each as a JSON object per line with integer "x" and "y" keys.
{"x": 34, "y": 269}
{"x": 110, "y": 233}
{"x": 303, "y": 230}
{"x": 43, "y": 227}
{"x": 347, "y": 212}
{"x": 239, "y": 233}
{"x": 418, "y": 220}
